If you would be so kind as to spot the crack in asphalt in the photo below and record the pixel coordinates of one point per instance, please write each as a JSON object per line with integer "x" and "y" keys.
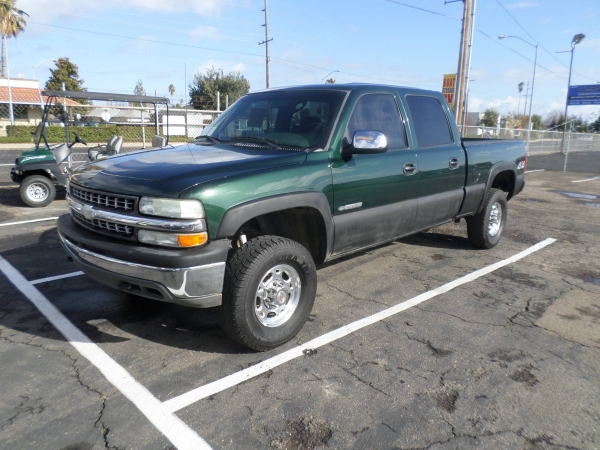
{"x": 533, "y": 324}
{"x": 435, "y": 351}
{"x": 458, "y": 317}
{"x": 353, "y": 296}
{"x": 104, "y": 430}
{"x": 367, "y": 383}
{"x": 23, "y": 408}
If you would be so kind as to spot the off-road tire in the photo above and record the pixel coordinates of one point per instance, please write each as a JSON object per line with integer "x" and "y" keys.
{"x": 478, "y": 226}
{"x": 46, "y": 191}
{"x": 245, "y": 270}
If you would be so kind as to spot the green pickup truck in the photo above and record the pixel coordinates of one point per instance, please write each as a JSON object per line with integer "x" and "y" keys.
{"x": 285, "y": 179}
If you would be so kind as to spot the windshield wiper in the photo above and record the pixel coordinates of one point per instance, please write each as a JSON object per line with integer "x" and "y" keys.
{"x": 269, "y": 142}
{"x": 214, "y": 140}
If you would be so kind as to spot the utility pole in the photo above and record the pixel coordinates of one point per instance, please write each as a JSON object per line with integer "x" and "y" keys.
{"x": 266, "y": 41}
{"x": 470, "y": 54}
{"x": 462, "y": 62}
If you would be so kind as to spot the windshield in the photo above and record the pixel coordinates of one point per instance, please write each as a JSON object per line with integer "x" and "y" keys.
{"x": 295, "y": 118}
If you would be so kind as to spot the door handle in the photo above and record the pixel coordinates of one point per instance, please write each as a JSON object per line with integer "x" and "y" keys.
{"x": 410, "y": 168}
{"x": 453, "y": 163}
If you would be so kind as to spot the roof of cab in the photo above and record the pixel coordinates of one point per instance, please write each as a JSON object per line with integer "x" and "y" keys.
{"x": 339, "y": 87}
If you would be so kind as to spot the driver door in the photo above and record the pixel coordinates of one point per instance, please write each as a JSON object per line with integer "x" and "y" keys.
{"x": 375, "y": 195}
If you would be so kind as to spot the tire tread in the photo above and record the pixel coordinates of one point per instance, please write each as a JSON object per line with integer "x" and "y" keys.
{"x": 238, "y": 271}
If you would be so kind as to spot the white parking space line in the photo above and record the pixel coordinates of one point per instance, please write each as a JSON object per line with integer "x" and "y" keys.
{"x": 173, "y": 428}
{"x": 537, "y": 170}
{"x": 7, "y": 164}
{"x": 181, "y": 401}
{"x": 27, "y": 221}
{"x": 587, "y": 179}
{"x": 57, "y": 277}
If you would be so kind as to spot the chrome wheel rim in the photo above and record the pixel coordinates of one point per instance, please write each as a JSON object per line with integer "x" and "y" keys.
{"x": 277, "y": 295}
{"x": 495, "y": 219}
{"x": 37, "y": 192}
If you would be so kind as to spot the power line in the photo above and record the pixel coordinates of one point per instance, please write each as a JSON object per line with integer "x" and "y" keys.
{"x": 423, "y": 9}
{"x": 155, "y": 41}
{"x": 517, "y": 53}
{"x": 120, "y": 13}
{"x": 535, "y": 40}
{"x": 171, "y": 29}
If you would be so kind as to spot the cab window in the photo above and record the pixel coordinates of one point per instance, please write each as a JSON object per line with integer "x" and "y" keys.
{"x": 429, "y": 121}
{"x": 378, "y": 112}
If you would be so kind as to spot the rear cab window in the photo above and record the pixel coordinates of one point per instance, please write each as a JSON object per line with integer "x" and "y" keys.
{"x": 430, "y": 122}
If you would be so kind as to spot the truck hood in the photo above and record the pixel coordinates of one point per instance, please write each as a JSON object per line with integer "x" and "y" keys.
{"x": 168, "y": 172}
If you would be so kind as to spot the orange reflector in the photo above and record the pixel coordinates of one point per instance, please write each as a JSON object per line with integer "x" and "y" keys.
{"x": 193, "y": 240}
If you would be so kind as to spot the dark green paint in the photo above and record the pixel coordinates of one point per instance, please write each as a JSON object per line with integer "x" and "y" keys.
{"x": 223, "y": 176}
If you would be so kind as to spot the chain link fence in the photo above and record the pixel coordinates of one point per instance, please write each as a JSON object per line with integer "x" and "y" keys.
{"x": 96, "y": 124}
{"x": 550, "y": 150}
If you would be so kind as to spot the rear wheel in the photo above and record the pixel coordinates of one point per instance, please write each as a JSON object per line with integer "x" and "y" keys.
{"x": 37, "y": 191}
{"x": 485, "y": 228}
{"x": 269, "y": 291}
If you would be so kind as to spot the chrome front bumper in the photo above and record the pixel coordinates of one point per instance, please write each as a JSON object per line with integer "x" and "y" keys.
{"x": 199, "y": 286}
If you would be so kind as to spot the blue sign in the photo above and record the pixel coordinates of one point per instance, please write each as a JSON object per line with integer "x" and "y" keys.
{"x": 584, "y": 95}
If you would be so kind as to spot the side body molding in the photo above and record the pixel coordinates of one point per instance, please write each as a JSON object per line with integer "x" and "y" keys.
{"x": 235, "y": 217}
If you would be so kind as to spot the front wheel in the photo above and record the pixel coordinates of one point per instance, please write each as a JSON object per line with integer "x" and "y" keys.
{"x": 485, "y": 228}
{"x": 37, "y": 191}
{"x": 269, "y": 291}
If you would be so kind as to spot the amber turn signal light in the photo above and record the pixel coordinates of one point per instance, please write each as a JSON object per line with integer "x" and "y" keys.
{"x": 192, "y": 240}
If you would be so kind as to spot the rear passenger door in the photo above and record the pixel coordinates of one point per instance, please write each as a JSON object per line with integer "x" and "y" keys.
{"x": 441, "y": 161}
{"x": 375, "y": 195}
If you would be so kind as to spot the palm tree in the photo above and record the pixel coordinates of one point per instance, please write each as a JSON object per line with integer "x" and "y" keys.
{"x": 172, "y": 91}
{"x": 12, "y": 22}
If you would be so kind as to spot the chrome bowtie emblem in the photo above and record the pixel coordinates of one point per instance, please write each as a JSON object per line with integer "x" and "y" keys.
{"x": 88, "y": 212}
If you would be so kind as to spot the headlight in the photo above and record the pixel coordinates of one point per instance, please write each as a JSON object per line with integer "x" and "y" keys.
{"x": 178, "y": 209}
{"x": 172, "y": 239}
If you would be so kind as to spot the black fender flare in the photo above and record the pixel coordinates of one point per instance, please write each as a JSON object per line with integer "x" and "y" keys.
{"x": 495, "y": 170}
{"x": 52, "y": 167}
{"x": 236, "y": 216}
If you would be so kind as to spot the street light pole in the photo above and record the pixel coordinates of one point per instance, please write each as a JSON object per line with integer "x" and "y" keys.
{"x": 38, "y": 64}
{"x": 532, "y": 84}
{"x": 576, "y": 40}
{"x": 333, "y": 71}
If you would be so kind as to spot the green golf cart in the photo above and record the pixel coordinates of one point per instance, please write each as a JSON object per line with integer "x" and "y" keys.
{"x": 42, "y": 169}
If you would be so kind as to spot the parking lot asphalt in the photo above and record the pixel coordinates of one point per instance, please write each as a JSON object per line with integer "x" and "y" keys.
{"x": 509, "y": 359}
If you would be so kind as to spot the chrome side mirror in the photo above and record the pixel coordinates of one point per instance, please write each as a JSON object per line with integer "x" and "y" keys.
{"x": 366, "y": 142}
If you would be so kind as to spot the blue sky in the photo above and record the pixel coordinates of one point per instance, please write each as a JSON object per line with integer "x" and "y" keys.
{"x": 117, "y": 42}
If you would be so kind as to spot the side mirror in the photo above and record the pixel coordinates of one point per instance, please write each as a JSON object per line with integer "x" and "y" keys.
{"x": 366, "y": 142}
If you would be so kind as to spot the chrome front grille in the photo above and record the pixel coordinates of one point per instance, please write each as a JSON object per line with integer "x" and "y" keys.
{"x": 109, "y": 201}
{"x": 105, "y": 225}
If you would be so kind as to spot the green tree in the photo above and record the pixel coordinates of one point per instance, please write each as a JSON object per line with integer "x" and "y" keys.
{"x": 68, "y": 73}
{"x": 139, "y": 90}
{"x": 203, "y": 90}
{"x": 595, "y": 126}
{"x": 490, "y": 117}
{"x": 171, "y": 91}
{"x": 12, "y": 22}
{"x": 536, "y": 122}
{"x": 330, "y": 81}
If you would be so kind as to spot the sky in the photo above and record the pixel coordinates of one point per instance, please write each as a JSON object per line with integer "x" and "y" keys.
{"x": 401, "y": 42}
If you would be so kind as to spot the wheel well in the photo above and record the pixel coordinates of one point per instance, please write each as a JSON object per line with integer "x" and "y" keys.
{"x": 505, "y": 181}
{"x": 42, "y": 172}
{"x": 303, "y": 225}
